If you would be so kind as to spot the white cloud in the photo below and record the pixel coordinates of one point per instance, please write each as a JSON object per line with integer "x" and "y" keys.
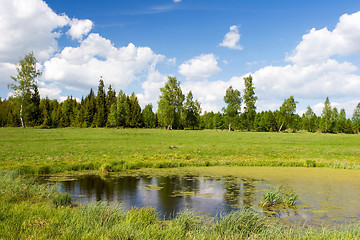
{"x": 176, "y": 1}
{"x": 155, "y": 80}
{"x": 81, "y": 67}
{"x": 232, "y": 38}
{"x": 6, "y": 71}
{"x": 319, "y": 45}
{"x": 28, "y": 25}
{"x": 200, "y": 67}
{"x": 79, "y": 28}
{"x": 318, "y": 81}
{"x": 52, "y": 91}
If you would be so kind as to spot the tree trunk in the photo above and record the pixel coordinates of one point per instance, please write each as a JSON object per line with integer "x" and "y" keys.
{"x": 21, "y": 114}
{"x": 229, "y": 127}
{"x": 280, "y": 128}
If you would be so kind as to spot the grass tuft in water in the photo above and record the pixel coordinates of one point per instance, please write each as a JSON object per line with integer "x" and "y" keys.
{"x": 276, "y": 197}
{"x": 61, "y": 200}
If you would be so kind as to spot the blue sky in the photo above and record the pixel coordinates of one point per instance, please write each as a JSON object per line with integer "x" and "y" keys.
{"x": 308, "y": 49}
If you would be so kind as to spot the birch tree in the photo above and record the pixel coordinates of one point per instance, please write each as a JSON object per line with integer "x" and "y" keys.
{"x": 25, "y": 81}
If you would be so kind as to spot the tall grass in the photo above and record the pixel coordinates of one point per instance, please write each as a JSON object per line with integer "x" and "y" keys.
{"x": 27, "y": 212}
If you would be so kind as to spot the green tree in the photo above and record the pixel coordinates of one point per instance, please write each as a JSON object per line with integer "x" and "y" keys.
{"x": 90, "y": 109}
{"x": 25, "y": 81}
{"x": 341, "y": 123}
{"x": 309, "y": 120}
{"x": 170, "y": 104}
{"x": 207, "y": 120}
{"x": 356, "y": 118}
{"x": 110, "y": 99}
{"x": 135, "y": 111}
{"x": 233, "y": 100}
{"x": 33, "y": 116}
{"x": 326, "y": 117}
{"x": 218, "y": 121}
{"x": 287, "y": 112}
{"x": 192, "y": 111}
{"x": 249, "y": 101}
{"x": 112, "y": 116}
{"x": 149, "y": 116}
{"x": 123, "y": 110}
{"x": 100, "y": 116}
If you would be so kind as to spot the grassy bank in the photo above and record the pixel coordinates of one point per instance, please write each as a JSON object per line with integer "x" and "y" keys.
{"x": 28, "y": 211}
{"x": 58, "y": 150}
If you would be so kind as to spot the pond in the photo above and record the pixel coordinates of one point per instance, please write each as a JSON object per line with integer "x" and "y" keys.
{"x": 326, "y": 196}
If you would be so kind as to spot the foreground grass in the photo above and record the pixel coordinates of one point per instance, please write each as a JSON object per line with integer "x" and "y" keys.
{"x": 59, "y": 150}
{"x": 28, "y": 212}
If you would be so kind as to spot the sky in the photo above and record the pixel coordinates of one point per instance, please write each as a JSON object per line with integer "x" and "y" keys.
{"x": 306, "y": 49}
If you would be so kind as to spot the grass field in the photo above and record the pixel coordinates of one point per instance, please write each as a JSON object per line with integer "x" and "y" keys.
{"x": 73, "y": 149}
{"x": 32, "y": 211}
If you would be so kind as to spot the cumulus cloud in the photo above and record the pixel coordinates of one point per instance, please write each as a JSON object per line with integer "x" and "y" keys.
{"x": 79, "y": 28}
{"x": 200, "y": 67}
{"x": 232, "y": 38}
{"x": 6, "y": 71}
{"x": 155, "y": 80}
{"x": 81, "y": 67}
{"x": 319, "y": 45}
{"x": 28, "y": 25}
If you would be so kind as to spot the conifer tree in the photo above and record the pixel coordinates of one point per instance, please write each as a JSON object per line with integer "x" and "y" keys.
{"x": 135, "y": 111}
{"x": 112, "y": 116}
{"x": 90, "y": 109}
{"x": 192, "y": 111}
{"x": 100, "y": 116}
{"x": 326, "y": 117}
{"x": 123, "y": 110}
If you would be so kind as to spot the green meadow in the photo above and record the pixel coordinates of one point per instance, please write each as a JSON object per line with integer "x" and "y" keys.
{"x": 29, "y": 210}
{"x": 34, "y": 150}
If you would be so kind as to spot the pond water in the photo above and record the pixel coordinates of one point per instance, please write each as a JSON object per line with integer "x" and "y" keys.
{"x": 326, "y": 196}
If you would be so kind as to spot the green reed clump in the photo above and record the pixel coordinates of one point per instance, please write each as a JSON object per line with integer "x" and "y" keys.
{"x": 61, "y": 200}
{"x": 245, "y": 222}
{"x": 277, "y": 197}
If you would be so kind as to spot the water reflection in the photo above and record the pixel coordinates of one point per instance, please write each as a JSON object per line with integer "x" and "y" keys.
{"x": 325, "y": 196}
{"x": 167, "y": 194}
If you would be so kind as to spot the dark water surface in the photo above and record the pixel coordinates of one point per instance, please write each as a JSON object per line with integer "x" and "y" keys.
{"x": 326, "y": 196}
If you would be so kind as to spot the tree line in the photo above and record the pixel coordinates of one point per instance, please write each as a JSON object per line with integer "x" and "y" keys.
{"x": 175, "y": 110}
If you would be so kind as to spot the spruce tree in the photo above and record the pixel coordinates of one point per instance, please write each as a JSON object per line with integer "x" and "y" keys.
{"x": 100, "y": 116}
{"x": 123, "y": 110}
{"x": 90, "y": 109}
{"x": 326, "y": 117}
{"x": 192, "y": 111}
{"x": 135, "y": 111}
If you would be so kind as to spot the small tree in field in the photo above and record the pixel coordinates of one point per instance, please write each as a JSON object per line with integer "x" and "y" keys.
{"x": 233, "y": 100}
{"x": 25, "y": 81}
